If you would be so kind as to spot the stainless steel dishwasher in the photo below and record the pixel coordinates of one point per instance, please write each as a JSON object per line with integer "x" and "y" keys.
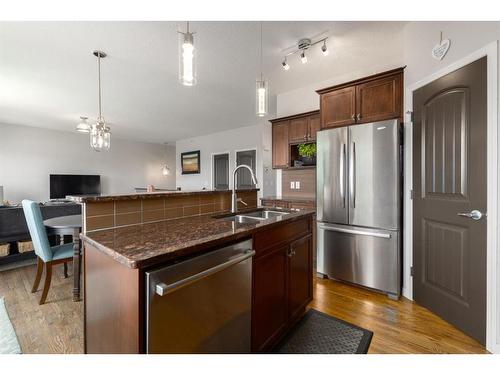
{"x": 203, "y": 304}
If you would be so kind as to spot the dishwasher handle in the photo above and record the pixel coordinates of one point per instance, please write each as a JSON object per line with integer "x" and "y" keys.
{"x": 163, "y": 289}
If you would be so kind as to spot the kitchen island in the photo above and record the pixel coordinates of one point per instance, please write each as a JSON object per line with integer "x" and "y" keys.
{"x": 118, "y": 259}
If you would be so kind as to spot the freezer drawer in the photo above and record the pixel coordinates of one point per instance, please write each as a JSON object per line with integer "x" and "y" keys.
{"x": 202, "y": 305}
{"x": 364, "y": 256}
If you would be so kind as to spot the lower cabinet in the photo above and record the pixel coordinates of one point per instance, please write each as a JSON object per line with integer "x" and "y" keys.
{"x": 269, "y": 308}
{"x": 282, "y": 285}
{"x": 299, "y": 276}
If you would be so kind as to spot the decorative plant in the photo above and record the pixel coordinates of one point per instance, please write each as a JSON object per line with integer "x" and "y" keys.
{"x": 307, "y": 150}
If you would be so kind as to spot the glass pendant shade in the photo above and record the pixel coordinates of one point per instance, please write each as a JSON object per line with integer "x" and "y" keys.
{"x": 187, "y": 66}
{"x": 261, "y": 97}
{"x": 100, "y": 136}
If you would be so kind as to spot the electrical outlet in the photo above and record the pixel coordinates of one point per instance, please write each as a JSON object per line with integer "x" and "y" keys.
{"x": 292, "y": 184}
{"x": 297, "y": 184}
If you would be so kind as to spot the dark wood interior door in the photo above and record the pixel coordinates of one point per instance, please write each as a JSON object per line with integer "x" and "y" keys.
{"x": 338, "y": 107}
{"x": 379, "y": 99}
{"x": 298, "y": 130}
{"x": 280, "y": 145}
{"x": 449, "y": 183}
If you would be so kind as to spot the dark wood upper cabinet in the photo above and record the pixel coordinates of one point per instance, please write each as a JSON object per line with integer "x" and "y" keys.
{"x": 299, "y": 130}
{"x": 338, "y": 107}
{"x": 280, "y": 145}
{"x": 292, "y": 130}
{"x": 374, "y": 98}
{"x": 314, "y": 126}
{"x": 379, "y": 99}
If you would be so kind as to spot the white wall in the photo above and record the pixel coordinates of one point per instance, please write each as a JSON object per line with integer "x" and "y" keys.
{"x": 466, "y": 38}
{"x": 245, "y": 138}
{"x": 28, "y": 155}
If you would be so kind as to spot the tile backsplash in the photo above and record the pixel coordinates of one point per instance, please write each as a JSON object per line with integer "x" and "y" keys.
{"x": 302, "y": 180}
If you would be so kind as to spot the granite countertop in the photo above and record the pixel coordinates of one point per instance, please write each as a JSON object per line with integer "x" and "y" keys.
{"x": 143, "y": 245}
{"x": 156, "y": 194}
{"x": 291, "y": 199}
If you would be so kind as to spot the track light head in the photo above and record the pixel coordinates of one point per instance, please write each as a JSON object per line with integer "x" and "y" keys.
{"x": 285, "y": 65}
{"x": 303, "y": 57}
{"x": 324, "y": 50}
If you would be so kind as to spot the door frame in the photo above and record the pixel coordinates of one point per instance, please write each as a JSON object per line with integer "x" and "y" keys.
{"x": 235, "y": 161}
{"x": 212, "y": 182}
{"x": 493, "y": 195}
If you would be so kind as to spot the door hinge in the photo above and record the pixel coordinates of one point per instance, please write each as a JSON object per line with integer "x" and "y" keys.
{"x": 412, "y": 271}
{"x": 410, "y": 114}
{"x": 412, "y": 194}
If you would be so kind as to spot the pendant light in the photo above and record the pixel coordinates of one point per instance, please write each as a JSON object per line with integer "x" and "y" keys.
{"x": 187, "y": 67}
{"x": 261, "y": 87}
{"x": 100, "y": 133}
{"x": 165, "y": 170}
{"x": 83, "y": 126}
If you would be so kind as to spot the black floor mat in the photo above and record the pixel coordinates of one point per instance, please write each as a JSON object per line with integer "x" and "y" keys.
{"x": 318, "y": 333}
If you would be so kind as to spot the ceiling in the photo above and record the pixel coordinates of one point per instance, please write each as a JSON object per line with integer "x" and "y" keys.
{"x": 48, "y": 75}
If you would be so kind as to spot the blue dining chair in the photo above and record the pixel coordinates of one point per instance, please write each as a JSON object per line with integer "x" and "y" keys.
{"x": 46, "y": 255}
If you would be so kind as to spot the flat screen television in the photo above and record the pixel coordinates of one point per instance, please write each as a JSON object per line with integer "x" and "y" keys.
{"x": 62, "y": 185}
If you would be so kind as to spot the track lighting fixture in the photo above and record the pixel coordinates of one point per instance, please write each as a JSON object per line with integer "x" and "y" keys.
{"x": 303, "y": 45}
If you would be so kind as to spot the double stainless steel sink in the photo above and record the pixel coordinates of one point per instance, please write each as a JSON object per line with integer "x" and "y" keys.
{"x": 254, "y": 216}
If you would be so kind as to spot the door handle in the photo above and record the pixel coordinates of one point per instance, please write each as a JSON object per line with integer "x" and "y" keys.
{"x": 352, "y": 172}
{"x": 341, "y": 174}
{"x": 163, "y": 289}
{"x": 474, "y": 214}
{"x": 358, "y": 117}
{"x": 355, "y": 231}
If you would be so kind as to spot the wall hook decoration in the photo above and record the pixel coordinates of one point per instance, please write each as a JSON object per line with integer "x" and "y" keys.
{"x": 440, "y": 49}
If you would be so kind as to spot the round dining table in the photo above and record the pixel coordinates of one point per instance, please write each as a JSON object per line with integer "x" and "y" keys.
{"x": 69, "y": 226}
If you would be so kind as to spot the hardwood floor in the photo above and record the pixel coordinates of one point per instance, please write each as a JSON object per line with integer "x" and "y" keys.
{"x": 398, "y": 326}
{"x": 54, "y": 327}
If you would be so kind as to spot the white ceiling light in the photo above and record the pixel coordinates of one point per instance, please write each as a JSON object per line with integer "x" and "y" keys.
{"x": 83, "y": 126}
{"x": 187, "y": 66}
{"x": 100, "y": 133}
{"x": 261, "y": 87}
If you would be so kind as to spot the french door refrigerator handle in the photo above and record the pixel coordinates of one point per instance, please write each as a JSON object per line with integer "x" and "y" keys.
{"x": 355, "y": 231}
{"x": 341, "y": 174}
{"x": 352, "y": 174}
{"x": 164, "y": 289}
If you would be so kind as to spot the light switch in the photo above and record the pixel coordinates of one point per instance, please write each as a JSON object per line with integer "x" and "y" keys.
{"x": 292, "y": 184}
{"x": 297, "y": 184}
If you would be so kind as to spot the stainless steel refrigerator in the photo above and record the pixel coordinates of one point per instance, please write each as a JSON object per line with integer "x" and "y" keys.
{"x": 359, "y": 175}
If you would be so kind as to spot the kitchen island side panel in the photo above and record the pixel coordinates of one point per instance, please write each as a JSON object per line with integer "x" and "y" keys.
{"x": 112, "y": 305}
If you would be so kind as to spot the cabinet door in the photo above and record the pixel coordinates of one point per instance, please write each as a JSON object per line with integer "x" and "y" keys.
{"x": 300, "y": 276}
{"x": 338, "y": 107}
{"x": 280, "y": 145}
{"x": 298, "y": 130}
{"x": 380, "y": 99}
{"x": 269, "y": 306}
{"x": 314, "y": 126}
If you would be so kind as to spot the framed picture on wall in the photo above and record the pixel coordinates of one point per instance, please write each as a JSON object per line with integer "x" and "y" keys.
{"x": 190, "y": 162}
